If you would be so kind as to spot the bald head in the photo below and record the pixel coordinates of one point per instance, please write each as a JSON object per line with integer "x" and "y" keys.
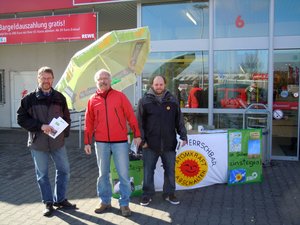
{"x": 159, "y": 85}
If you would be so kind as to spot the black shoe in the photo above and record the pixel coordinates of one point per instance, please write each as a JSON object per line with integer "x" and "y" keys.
{"x": 145, "y": 200}
{"x": 48, "y": 210}
{"x": 65, "y": 204}
{"x": 172, "y": 199}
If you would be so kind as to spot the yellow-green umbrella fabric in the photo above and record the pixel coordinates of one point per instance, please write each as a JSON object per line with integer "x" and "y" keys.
{"x": 122, "y": 52}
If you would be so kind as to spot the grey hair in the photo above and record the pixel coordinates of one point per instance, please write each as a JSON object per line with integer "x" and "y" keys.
{"x": 99, "y": 72}
{"x": 45, "y": 69}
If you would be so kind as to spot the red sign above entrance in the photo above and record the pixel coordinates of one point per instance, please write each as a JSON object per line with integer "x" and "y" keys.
{"x": 48, "y": 29}
{"x": 86, "y": 2}
{"x": 14, "y": 6}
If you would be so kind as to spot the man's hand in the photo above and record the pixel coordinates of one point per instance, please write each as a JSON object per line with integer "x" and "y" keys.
{"x": 47, "y": 129}
{"x": 88, "y": 149}
{"x": 145, "y": 145}
{"x": 183, "y": 143}
{"x": 137, "y": 141}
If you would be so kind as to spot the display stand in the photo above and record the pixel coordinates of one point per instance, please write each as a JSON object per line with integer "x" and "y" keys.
{"x": 256, "y": 115}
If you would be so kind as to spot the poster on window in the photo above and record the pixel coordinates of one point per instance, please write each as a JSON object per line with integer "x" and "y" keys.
{"x": 73, "y": 27}
{"x": 244, "y": 156}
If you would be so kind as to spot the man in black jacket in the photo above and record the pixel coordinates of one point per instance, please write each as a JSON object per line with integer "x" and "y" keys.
{"x": 37, "y": 110}
{"x": 160, "y": 119}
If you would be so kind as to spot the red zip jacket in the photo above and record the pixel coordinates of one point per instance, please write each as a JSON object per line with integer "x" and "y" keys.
{"x": 106, "y": 118}
{"x": 192, "y": 99}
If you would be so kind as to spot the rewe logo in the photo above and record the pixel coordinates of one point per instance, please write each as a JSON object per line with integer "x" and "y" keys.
{"x": 3, "y": 40}
{"x": 87, "y": 36}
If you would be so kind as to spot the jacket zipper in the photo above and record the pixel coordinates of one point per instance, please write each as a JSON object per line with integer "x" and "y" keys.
{"x": 161, "y": 139}
{"x": 108, "y": 135}
{"x": 118, "y": 118}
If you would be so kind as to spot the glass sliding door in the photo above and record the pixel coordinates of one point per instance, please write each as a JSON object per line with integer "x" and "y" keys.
{"x": 285, "y": 104}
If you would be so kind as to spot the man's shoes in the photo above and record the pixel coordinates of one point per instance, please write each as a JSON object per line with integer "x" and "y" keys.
{"x": 102, "y": 207}
{"x": 48, "y": 210}
{"x": 125, "y": 211}
{"x": 145, "y": 200}
{"x": 172, "y": 199}
{"x": 65, "y": 204}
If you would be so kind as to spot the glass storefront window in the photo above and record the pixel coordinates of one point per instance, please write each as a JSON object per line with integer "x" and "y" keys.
{"x": 193, "y": 120}
{"x": 235, "y": 18}
{"x": 177, "y": 20}
{"x": 240, "y": 78}
{"x": 228, "y": 121}
{"x": 183, "y": 70}
{"x": 285, "y": 102}
{"x": 287, "y": 18}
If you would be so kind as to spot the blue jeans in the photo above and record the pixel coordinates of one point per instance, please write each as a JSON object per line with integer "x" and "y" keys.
{"x": 150, "y": 158}
{"x": 62, "y": 167}
{"x": 119, "y": 152}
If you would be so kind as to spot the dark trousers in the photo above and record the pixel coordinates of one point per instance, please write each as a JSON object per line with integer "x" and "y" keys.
{"x": 150, "y": 158}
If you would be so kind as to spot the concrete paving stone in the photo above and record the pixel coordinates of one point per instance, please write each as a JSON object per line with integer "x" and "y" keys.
{"x": 224, "y": 223}
{"x": 213, "y": 223}
{"x": 213, "y": 219}
{"x": 202, "y": 220}
{"x": 240, "y": 219}
{"x": 225, "y": 215}
{"x": 225, "y": 220}
{"x": 273, "y": 216}
{"x": 215, "y": 211}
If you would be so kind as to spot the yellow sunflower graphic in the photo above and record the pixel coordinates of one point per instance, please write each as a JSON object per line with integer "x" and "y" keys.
{"x": 191, "y": 168}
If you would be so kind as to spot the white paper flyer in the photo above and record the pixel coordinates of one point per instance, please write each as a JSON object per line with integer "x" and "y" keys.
{"x": 58, "y": 124}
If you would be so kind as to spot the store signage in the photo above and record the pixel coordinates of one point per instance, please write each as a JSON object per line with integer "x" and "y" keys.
{"x": 48, "y": 29}
{"x": 260, "y": 76}
{"x": 14, "y": 6}
{"x": 86, "y": 2}
{"x": 244, "y": 156}
{"x": 239, "y": 22}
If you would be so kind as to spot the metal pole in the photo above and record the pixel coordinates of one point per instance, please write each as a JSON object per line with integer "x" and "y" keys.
{"x": 79, "y": 130}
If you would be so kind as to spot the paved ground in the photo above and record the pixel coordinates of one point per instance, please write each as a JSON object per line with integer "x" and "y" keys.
{"x": 275, "y": 201}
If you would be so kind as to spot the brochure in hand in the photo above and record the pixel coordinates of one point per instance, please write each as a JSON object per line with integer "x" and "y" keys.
{"x": 58, "y": 124}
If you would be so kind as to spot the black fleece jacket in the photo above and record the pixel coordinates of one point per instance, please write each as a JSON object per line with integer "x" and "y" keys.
{"x": 160, "y": 120}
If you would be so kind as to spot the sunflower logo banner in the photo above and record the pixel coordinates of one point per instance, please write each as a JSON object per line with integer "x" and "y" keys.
{"x": 244, "y": 156}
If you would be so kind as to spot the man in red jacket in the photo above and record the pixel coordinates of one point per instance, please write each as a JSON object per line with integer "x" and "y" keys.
{"x": 106, "y": 117}
{"x": 193, "y": 101}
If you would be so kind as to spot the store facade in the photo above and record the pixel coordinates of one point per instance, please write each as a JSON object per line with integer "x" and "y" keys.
{"x": 240, "y": 54}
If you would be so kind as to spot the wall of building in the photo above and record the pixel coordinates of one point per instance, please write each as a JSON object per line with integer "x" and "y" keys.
{"x": 29, "y": 58}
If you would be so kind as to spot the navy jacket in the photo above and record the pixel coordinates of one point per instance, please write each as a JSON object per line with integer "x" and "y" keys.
{"x": 160, "y": 121}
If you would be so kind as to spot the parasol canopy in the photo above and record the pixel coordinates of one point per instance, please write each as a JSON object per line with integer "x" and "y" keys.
{"x": 122, "y": 52}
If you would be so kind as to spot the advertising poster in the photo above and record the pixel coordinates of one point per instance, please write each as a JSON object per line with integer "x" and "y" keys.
{"x": 14, "y": 6}
{"x": 86, "y": 2}
{"x": 244, "y": 156}
{"x": 202, "y": 162}
{"x": 49, "y": 29}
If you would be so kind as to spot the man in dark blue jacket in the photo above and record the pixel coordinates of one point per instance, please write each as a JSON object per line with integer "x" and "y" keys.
{"x": 37, "y": 110}
{"x": 160, "y": 119}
